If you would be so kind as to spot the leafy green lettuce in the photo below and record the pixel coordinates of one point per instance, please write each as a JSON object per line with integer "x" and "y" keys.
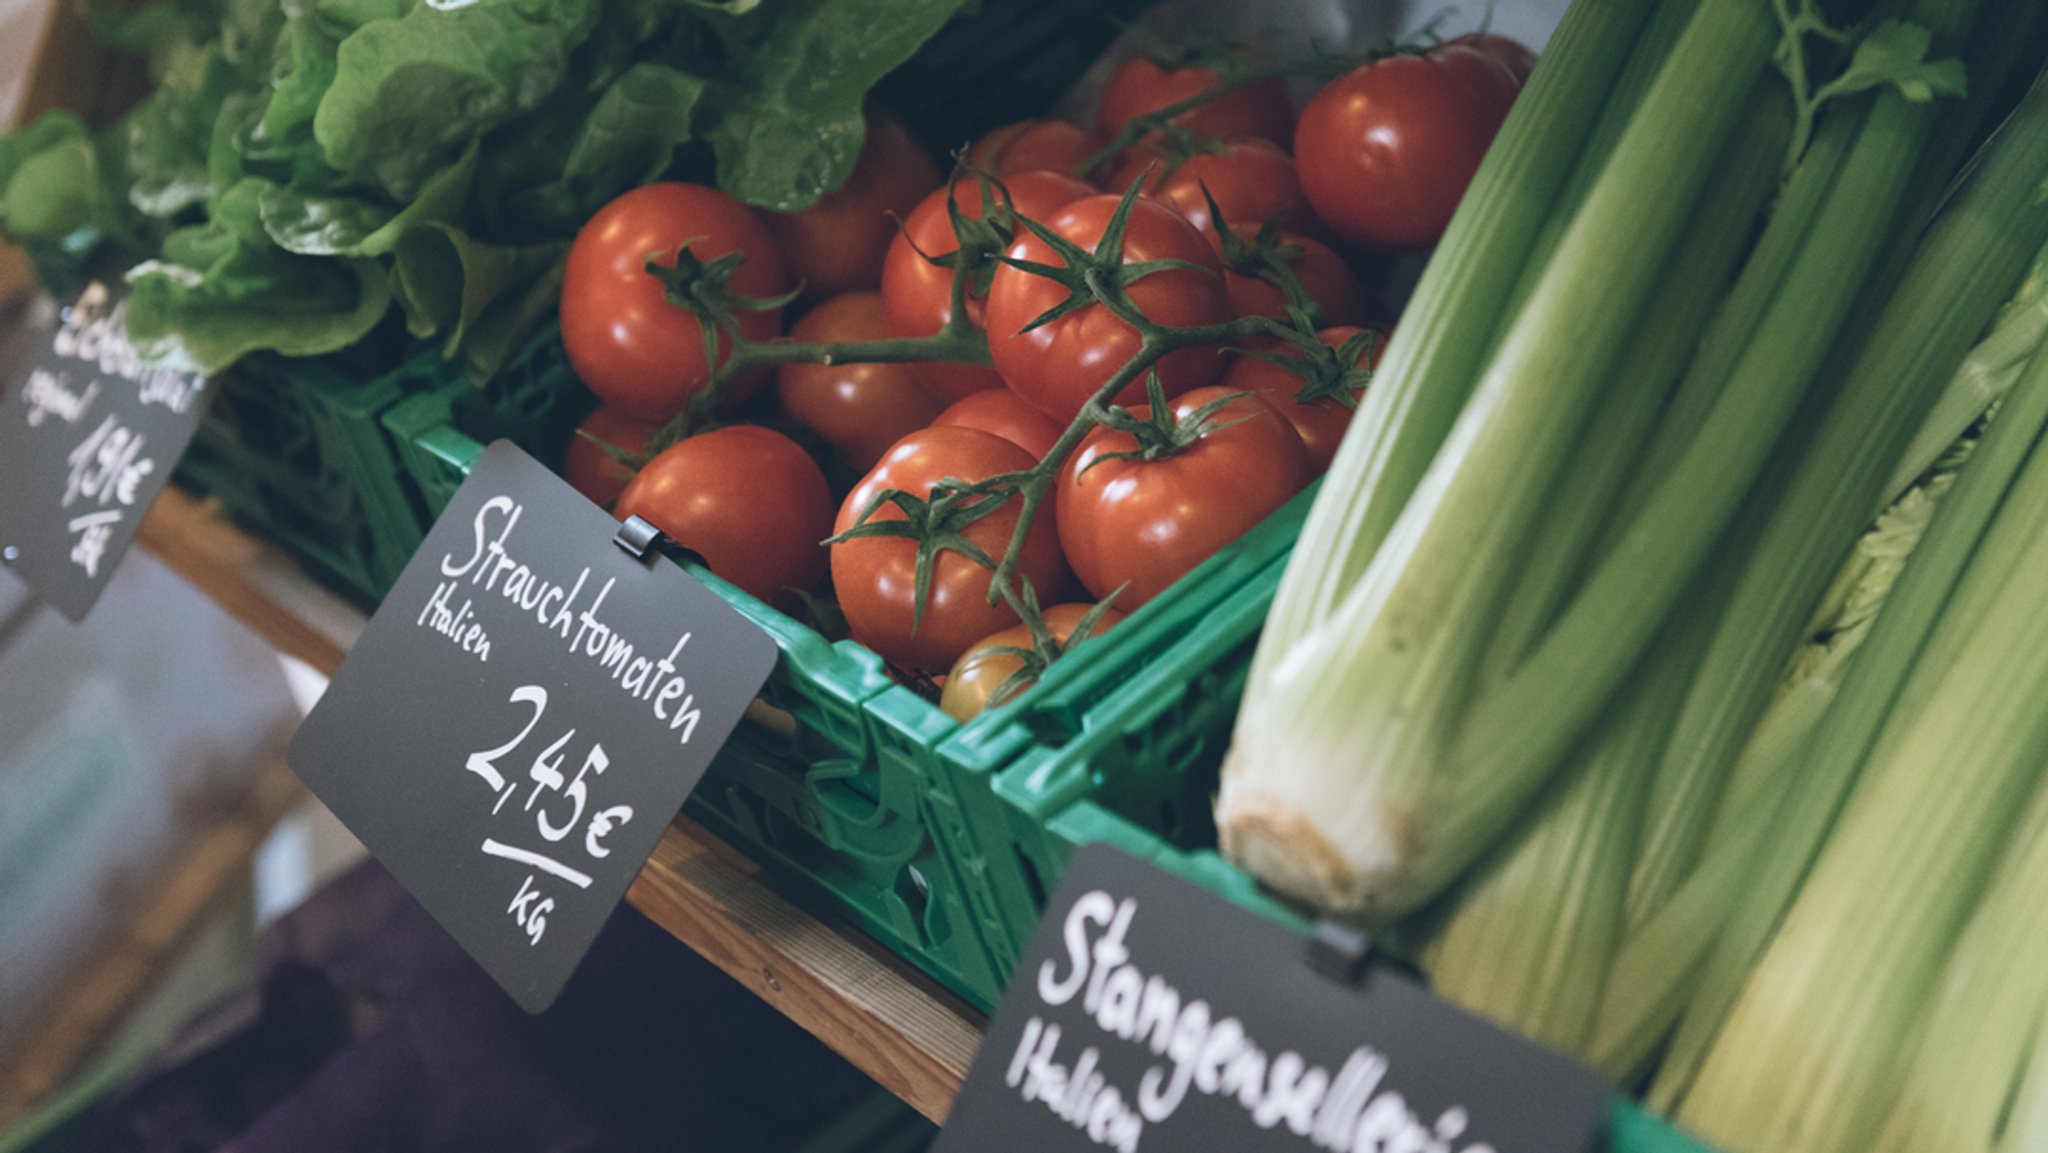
{"x": 304, "y": 169}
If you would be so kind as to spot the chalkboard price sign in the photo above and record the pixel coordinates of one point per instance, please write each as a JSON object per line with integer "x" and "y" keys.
{"x": 88, "y": 437}
{"x": 1149, "y": 1014}
{"x": 527, "y": 709}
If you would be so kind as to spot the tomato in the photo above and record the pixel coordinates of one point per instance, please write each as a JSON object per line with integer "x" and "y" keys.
{"x": 1140, "y": 85}
{"x": 1147, "y": 522}
{"x": 874, "y": 577}
{"x": 1386, "y": 150}
{"x": 1322, "y": 273}
{"x": 1058, "y": 366}
{"x": 591, "y": 470}
{"x": 1320, "y": 423}
{"x": 981, "y": 670}
{"x": 837, "y": 245}
{"x": 1006, "y": 414}
{"x": 1028, "y": 144}
{"x": 917, "y": 295}
{"x": 1512, "y": 53}
{"x": 1250, "y": 179}
{"x": 640, "y": 354}
{"x": 747, "y": 500}
{"x": 859, "y": 409}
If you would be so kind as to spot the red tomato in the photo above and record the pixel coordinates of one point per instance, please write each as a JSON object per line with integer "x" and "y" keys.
{"x": 1322, "y": 273}
{"x": 1250, "y": 179}
{"x": 1147, "y": 522}
{"x": 917, "y": 295}
{"x": 874, "y": 577}
{"x": 1006, "y": 414}
{"x": 1028, "y": 144}
{"x": 637, "y": 352}
{"x": 1140, "y": 85}
{"x": 591, "y": 470}
{"x": 981, "y": 670}
{"x": 747, "y": 500}
{"x": 859, "y": 409}
{"x": 837, "y": 245}
{"x": 1509, "y": 51}
{"x": 1321, "y": 421}
{"x": 1386, "y": 150}
{"x": 1058, "y": 366}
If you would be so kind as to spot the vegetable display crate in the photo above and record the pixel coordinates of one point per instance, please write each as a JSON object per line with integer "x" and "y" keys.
{"x": 854, "y": 786}
{"x": 534, "y": 401}
{"x": 294, "y": 450}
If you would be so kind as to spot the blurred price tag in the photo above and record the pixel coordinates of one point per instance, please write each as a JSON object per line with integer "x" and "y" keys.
{"x": 88, "y": 438}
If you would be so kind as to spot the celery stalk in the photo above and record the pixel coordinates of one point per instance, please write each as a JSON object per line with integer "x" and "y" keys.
{"x": 1970, "y": 261}
{"x": 1433, "y": 359}
{"x": 1606, "y": 470}
{"x": 1724, "y": 913}
{"x": 1816, "y": 1035}
{"x": 1536, "y": 926}
{"x": 1381, "y": 676}
{"x": 1984, "y": 1016}
{"x": 2026, "y": 1130}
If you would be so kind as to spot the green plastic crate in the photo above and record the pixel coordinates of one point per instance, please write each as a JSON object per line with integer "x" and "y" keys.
{"x": 294, "y": 450}
{"x": 535, "y": 402}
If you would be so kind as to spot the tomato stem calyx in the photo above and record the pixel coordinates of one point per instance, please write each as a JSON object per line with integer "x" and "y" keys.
{"x": 1161, "y": 432}
{"x": 937, "y": 523}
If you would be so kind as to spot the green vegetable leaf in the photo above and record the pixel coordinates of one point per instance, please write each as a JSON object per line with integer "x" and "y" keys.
{"x": 788, "y": 122}
{"x": 345, "y": 225}
{"x": 168, "y": 138}
{"x": 222, "y": 290}
{"x": 448, "y": 279}
{"x": 410, "y": 95}
{"x": 627, "y": 140}
{"x": 47, "y": 173}
{"x": 341, "y": 17}
{"x": 1895, "y": 53}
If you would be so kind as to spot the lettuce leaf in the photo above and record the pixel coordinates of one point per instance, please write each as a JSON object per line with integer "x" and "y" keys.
{"x": 788, "y": 122}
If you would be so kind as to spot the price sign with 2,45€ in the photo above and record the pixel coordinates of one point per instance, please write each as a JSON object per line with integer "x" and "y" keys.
{"x": 527, "y": 709}
{"x": 88, "y": 437}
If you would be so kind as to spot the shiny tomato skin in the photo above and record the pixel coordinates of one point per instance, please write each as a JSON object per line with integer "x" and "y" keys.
{"x": 1250, "y": 178}
{"x": 1146, "y": 523}
{"x": 838, "y": 244}
{"x": 875, "y": 577}
{"x": 1058, "y": 366}
{"x": 748, "y": 500}
{"x": 1514, "y": 55}
{"x": 1386, "y": 150}
{"x": 1323, "y": 273}
{"x": 1140, "y": 85}
{"x": 981, "y": 670}
{"x": 1054, "y": 145}
{"x": 637, "y": 352}
{"x": 1320, "y": 423}
{"x": 917, "y": 294}
{"x": 860, "y": 409}
{"x": 1006, "y": 414}
{"x": 1487, "y": 76}
{"x": 591, "y": 470}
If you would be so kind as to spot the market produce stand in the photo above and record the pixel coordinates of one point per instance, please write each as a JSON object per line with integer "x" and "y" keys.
{"x": 901, "y": 1029}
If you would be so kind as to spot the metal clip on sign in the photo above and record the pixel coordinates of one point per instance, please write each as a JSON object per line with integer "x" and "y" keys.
{"x": 638, "y": 537}
{"x": 1343, "y": 953}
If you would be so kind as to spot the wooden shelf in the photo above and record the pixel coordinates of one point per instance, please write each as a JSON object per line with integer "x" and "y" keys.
{"x": 892, "y": 1023}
